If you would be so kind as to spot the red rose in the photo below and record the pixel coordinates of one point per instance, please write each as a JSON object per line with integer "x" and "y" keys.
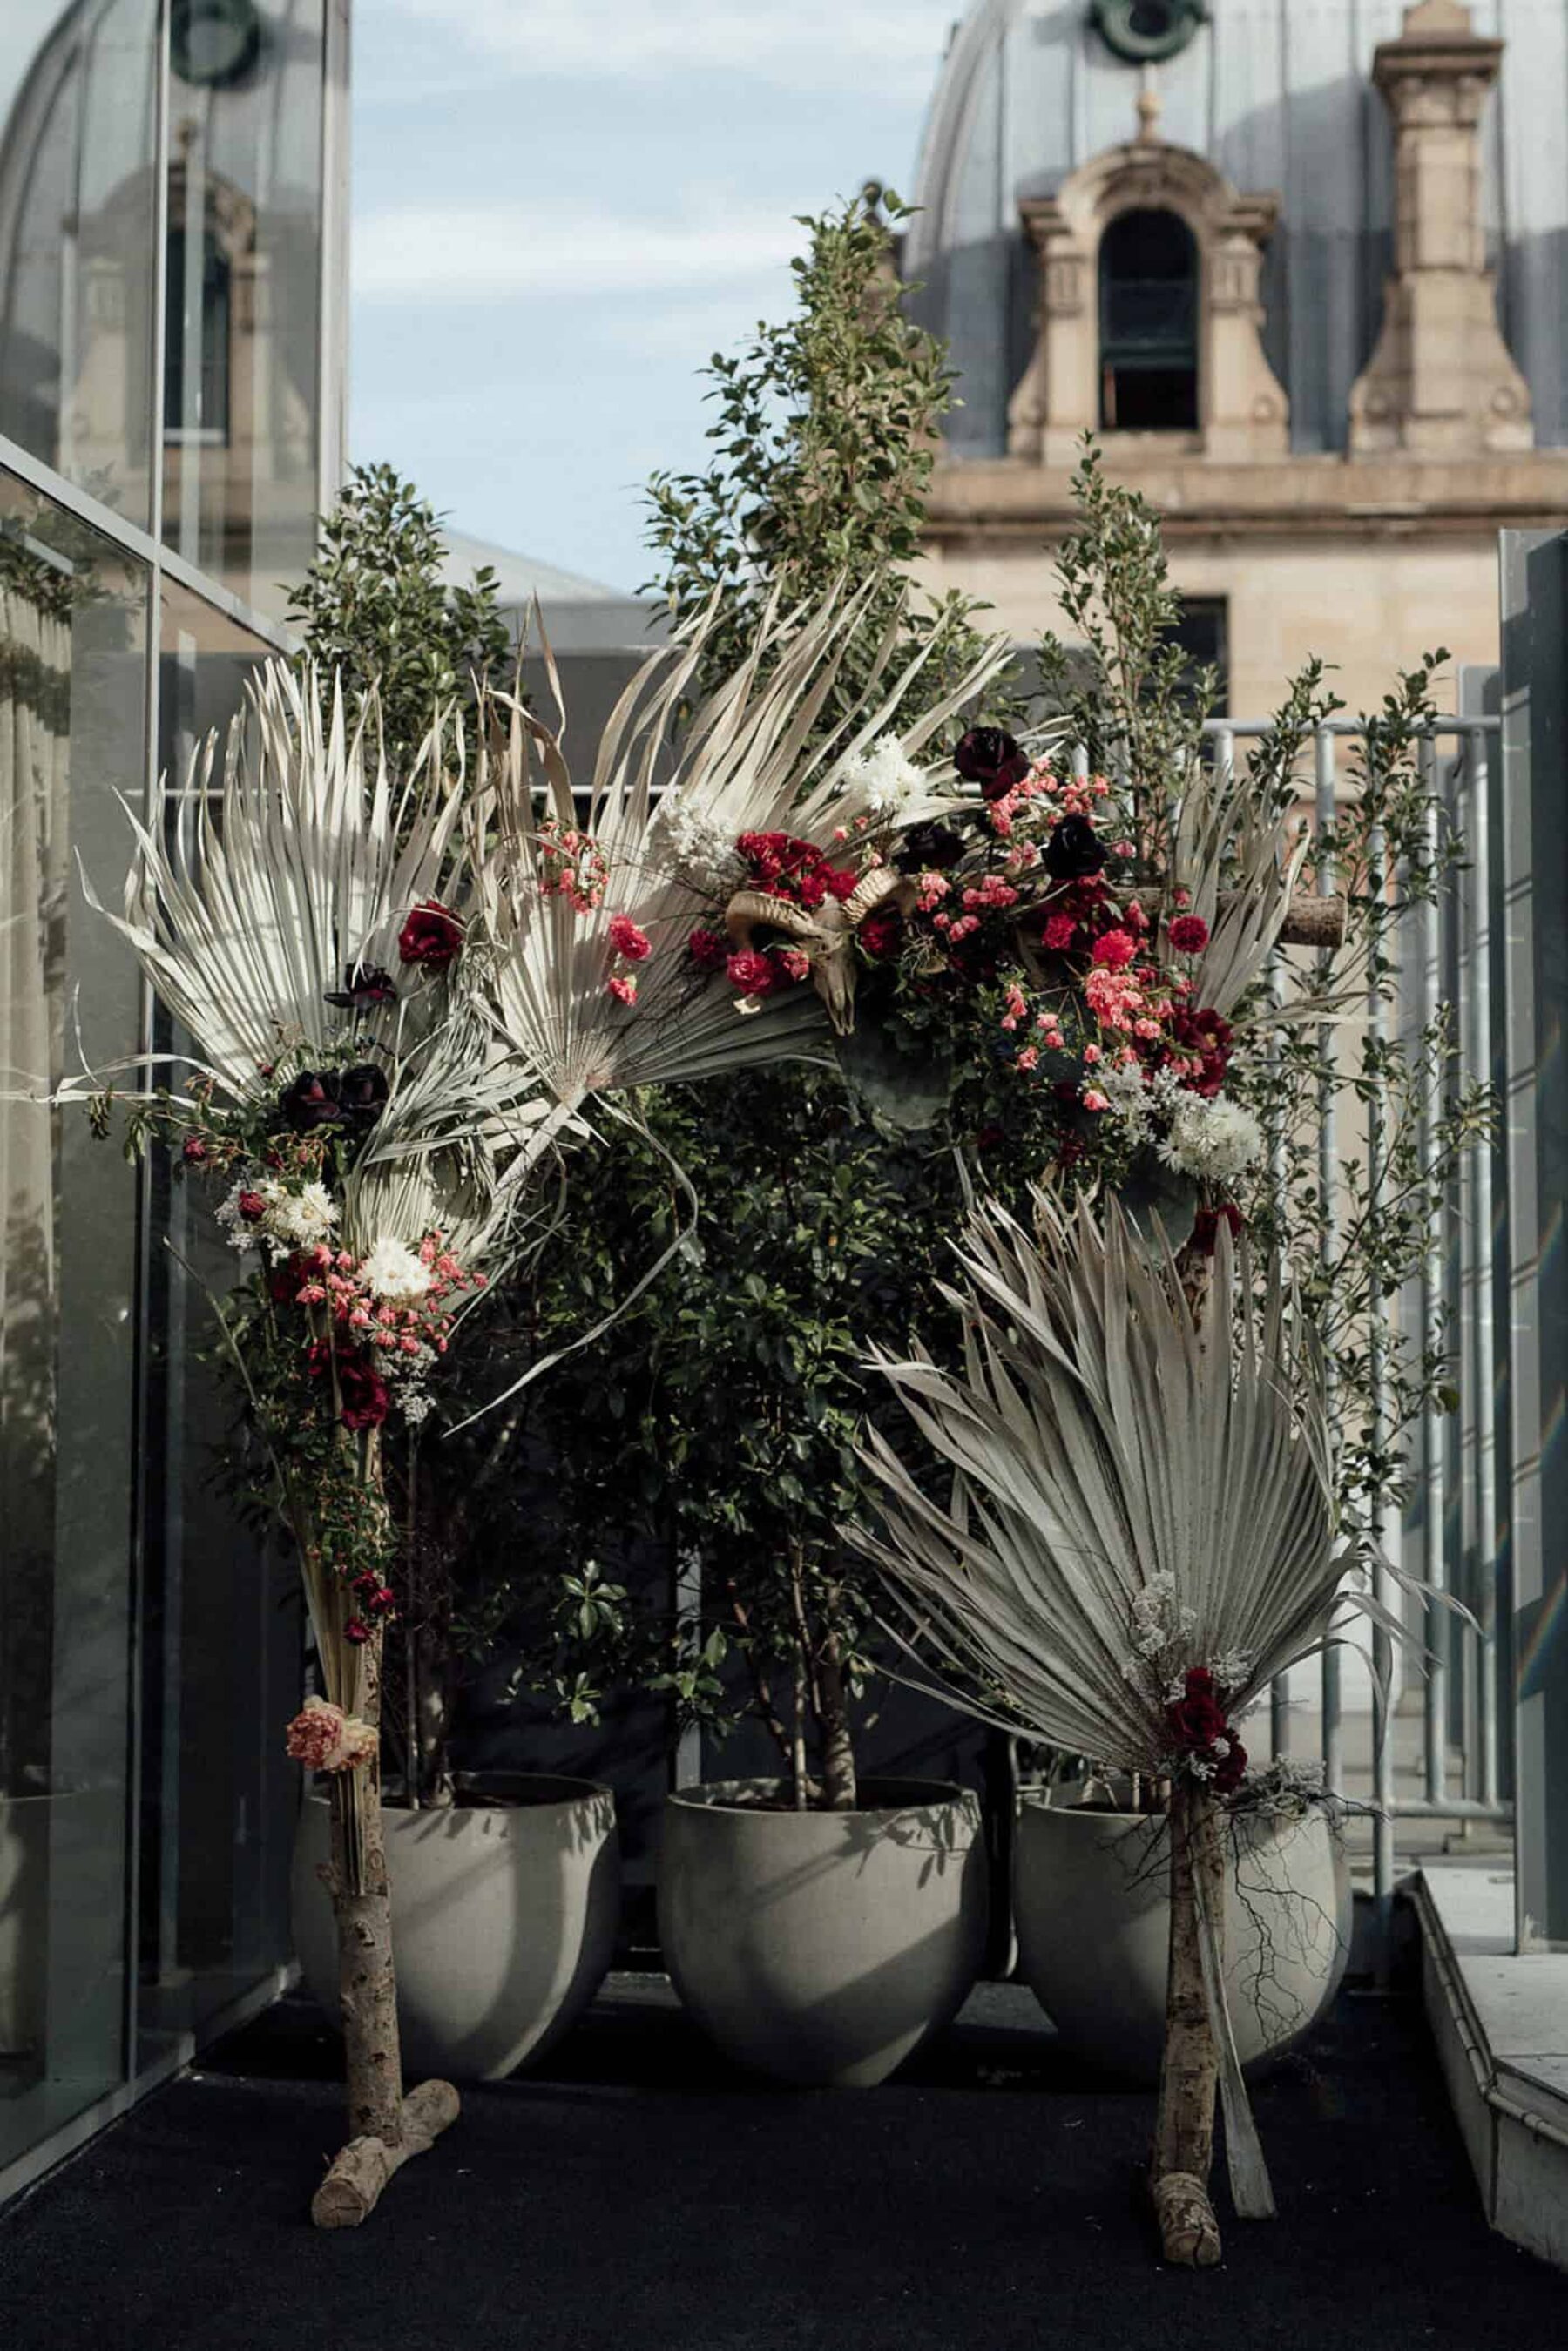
{"x": 355, "y": 1630}
{"x": 1188, "y": 934}
{"x": 251, "y": 1207}
{"x": 753, "y": 975}
{"x": 1231, "y": 1768}
{"x": 707, "y": 950}
{"x": 192, "y": 1150}
{"x": 432, "y": 937}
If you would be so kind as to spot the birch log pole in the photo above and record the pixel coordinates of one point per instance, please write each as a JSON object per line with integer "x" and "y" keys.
{"x": 386, "y": 2127}
{"x": 1189, "y": 2070}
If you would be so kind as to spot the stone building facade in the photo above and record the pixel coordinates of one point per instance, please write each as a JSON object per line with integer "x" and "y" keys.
{"x": 1301, "y": 270}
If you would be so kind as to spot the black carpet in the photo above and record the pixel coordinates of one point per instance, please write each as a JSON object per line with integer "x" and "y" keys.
{"x": 644, "y": 2198}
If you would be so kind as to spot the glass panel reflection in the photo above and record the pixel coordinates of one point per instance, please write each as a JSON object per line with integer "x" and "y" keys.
{"x": 72, "y": 732}
{"x": 241, "y": 392}
{"x": 77, "y": 241}
{"x": 221, "y": 1635}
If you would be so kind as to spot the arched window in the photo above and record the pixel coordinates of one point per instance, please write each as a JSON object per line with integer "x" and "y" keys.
{"x": 1148, "y": 324}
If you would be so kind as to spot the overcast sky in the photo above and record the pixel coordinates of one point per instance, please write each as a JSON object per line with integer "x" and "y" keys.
{"x": 563, "y": 207}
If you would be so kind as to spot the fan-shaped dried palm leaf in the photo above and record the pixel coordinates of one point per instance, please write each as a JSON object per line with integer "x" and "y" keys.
{"x": 247, "y": 916}
{"x": 1231, "y": 829}
{"x": 668, "y": 799}
{"x": 1102, "y": 1441}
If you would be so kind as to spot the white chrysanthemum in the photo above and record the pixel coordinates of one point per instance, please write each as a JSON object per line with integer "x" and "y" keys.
{"x": 886, "y": 777}
{"x": 1211, "y": 1140}
{"x": 700, "y": 846}
{"x": 394, "y": 1271}
{"x": 304, "y": 1218}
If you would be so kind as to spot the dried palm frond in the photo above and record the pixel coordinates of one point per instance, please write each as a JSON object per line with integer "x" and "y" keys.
{"x": 744, "y": 761}
{"x": 1231, "y": 825}
{"x": 1100, "y": 1440}
{"x": 261, "y": 885}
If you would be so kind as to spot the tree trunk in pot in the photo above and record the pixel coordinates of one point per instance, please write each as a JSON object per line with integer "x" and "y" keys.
{"x": 1189, "y": 2072}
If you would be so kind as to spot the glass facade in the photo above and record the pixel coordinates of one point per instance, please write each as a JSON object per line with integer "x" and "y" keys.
{"x": 168, "y": 254}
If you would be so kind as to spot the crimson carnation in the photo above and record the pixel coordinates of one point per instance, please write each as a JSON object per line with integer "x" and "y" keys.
{"x": 753, "y": 975}
{"x": 1058, "y": 932}
{"x": 1115, "y": 950}
{"x": 1188, "y": 934}
{"x": 708, "y": 950}
{"x": 432, "y": 937}
{"x": 627, "y": 939}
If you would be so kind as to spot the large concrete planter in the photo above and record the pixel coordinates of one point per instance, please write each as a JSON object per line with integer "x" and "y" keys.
{"x": 504, "y": 1915}
{"x": 821, "y": 1948}
{"x": 1092, "y": 1902}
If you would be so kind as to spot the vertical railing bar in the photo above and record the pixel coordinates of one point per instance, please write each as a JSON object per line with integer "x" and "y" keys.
{"x": 1470, "y": 1538}
{"x": 1382, "y": 1644}
{"x": 1478, "y": 1070}
{"x": 1434, "y": 1553}
{"x": 1328, "y": 1183}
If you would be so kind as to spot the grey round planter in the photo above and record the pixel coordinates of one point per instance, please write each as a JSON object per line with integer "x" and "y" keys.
{"x": 822, "y": 1948}
{"x": 504, "y": 1918}
{"x": 1091, "y": 1905}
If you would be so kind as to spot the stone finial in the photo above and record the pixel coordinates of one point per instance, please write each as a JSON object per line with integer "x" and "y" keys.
{"x": 1441, "y": 379}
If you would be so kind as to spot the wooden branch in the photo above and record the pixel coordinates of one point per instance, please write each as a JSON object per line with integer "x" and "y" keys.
{"x": 359, "y": 2172}
{"x": 1184, "y": 2131}
{"x": 1310, "y": 921}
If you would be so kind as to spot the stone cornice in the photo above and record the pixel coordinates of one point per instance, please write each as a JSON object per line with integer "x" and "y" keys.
{"x": 1301, "y": 496}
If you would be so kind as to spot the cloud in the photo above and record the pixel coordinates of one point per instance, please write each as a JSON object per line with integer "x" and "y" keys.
{"x": 807, "y": 44}
{"x": 466, "y": 253}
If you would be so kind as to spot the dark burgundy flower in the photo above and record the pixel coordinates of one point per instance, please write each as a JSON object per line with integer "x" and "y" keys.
{"x": 311, "y": 1101}
{"x": 364, "y": 987}
{"x": 880, "y": 933}
{"x": 251, "y": 1207}
{"x": 1206, "y": 1226}
{"x": 1231, "y": 1769}
{"x": 708, "y": 950}
{"x": 365, "y": 1397}
{"x": 929, "y": 848}
{"x": 432, "y": 937}
{"x": 1073, "y": 850}
{"x": 363, "y": 1092}
{"x": 990, "y": 757}
{"x": 357, "y": 1631}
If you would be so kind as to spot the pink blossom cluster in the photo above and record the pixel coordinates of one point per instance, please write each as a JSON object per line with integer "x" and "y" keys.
{"x": 572, "y": 865}
{"x": 324, "y": 1739}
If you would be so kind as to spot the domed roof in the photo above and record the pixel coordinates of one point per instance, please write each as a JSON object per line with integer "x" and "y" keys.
{"x": 1275, "y": 97}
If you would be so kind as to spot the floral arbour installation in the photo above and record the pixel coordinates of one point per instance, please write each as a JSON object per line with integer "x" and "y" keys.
{"x": 398, "y": 997}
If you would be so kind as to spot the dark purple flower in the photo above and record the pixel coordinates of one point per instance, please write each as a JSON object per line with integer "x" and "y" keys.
{"x": 364, "y": 987}
{"x": 930, "y": 847}
{"x": 1073, "y": 850}
{"x": 362, "y": 1093}
{"x": 990, "y": 757}
{"x": 311, "y": 1101}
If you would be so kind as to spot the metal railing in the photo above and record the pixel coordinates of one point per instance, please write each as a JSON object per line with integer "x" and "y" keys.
{"x": 1454, "y": 1530}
